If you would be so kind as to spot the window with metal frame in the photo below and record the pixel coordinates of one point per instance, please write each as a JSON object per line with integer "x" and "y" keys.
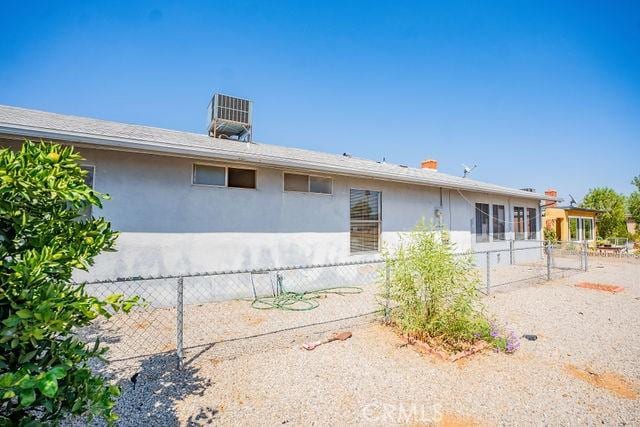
{"x": 587, "y": 228}
{"x": 222, "y": 176}
{"x": 498, "y": 215}
{"x": 307, "y": 183}
{"x": 580, "y": 229}
{"x": 574, "y": 229}
{"x": 241, "y": 178}
{"x": 532, "y": 223}
{"x": 482, "y": 222}
{"x": 366, "y": 220}
{"x": 518, "y": 222}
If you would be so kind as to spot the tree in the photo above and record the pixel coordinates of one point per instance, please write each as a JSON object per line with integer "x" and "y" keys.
{"x": 612, "y": 222}
{"x": 633, "y": 202}
{"x": 44, "y": 368}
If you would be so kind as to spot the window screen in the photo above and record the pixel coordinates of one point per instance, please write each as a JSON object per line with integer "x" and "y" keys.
{"x": 320, "y": 185}
{"x": 241, "y": 178}
{"x": 307, "y": 183}
{"x": 365, "y": 220}
{"x": 295, "y": 182}
{"x": 208, "y": 175}
{"x": 518, "y": 223}
{"x": 532, "y": 223}
{"x": 498, "y": 222}
{"x": 482, "y": 222}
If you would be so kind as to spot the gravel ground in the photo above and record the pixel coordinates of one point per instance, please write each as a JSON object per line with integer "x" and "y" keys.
{"x": 153, "y": 330}
{"x": 373, "y": 379}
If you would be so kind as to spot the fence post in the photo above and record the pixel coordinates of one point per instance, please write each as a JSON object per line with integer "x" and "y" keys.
{"x": 586, "y": 256}
{"x": 549, "y": 249}
{"x": 511, "y": 252}
{"x": 180, "y": 323}
{"x": 387, "y": 281}
{"x": 488, "y": 272}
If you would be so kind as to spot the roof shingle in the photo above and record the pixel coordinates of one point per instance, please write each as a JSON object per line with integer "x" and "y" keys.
{"x": 16, "y": 121}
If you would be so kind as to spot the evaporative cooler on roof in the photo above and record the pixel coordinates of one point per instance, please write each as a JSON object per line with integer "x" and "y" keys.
{"x": 230, "y": 117}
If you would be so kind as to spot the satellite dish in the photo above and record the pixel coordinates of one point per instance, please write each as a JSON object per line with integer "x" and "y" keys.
{"x": 467, "y": 169}
{"x": 573, "y": 201}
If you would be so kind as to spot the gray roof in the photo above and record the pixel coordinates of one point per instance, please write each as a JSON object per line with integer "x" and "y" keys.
{"x": 105, "y": 134}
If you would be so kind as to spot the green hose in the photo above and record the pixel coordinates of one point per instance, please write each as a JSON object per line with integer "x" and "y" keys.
{"x": 301, "y": 301}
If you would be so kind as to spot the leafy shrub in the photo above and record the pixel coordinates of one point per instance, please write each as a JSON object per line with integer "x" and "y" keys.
{"x": 44, "y": 370}
{"x": 550, "y": 235}
{"x": 434, "y": 294}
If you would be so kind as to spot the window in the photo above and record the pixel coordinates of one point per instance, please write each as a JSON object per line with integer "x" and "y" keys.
{"x": 580, "y": 229}
{"x": 295, "y": 182}
{"x": 573, "y": 229}
{"x": 224, "y": 177}
{"x": 241, "y": 178}
{"x": 307, "y": 183}
{"x": 588, "y": 228}
{"x": 482, "y": 222}
{"x": 320, "y": 185}
{"x": 518, "y": 223}
{"x": 498, "y": 222}
{"x": 209, "y": 175}
{"x": 365, "y": 214}
{"x": 532, "y": 223}
{"x": 88, "y": 180}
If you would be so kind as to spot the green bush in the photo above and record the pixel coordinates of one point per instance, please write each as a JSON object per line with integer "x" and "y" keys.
{"x": 44, "y": 370}
{"x": 550, "y": 235}
{"x": 434, "y": 295}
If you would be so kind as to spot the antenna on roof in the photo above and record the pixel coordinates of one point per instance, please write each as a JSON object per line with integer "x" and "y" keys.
{"x": 467, "y": 169}
{"x": 573, "y": 201}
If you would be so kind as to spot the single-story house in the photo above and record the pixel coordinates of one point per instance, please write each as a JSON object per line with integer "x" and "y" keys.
{"x": 187, "y": 202}
{"x": 570, "y": 223}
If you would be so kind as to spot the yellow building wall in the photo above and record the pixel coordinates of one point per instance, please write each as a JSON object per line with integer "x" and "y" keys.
{"x": 558, "y": 219}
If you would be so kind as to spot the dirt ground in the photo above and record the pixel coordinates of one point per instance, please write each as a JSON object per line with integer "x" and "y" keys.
{"x": 582, "y": 369}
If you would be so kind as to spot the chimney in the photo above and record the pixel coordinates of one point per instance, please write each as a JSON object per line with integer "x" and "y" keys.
{"x": 429, "y": 164}
{"x": 551, "y": 193}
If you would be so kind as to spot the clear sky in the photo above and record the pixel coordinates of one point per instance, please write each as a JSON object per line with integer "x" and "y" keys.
{"x": 537, "y": 93}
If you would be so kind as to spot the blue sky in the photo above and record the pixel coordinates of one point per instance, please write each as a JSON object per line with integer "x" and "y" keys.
{"x": 538, "y": 94}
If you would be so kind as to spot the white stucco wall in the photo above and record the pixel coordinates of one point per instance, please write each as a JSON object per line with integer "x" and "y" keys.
{"x": 169, "y": 226}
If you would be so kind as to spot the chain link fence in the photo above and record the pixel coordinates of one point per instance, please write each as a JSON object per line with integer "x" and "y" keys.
{"x": 526, "y": 262}
{"x": 198, "y": 311}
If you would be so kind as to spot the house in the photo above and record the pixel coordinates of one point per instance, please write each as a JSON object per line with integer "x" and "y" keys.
{"x": 570, "y": 223}
{"x": 187, "y": 202}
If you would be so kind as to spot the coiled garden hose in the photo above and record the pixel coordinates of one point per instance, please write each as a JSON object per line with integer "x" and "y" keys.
{"x": 301, "y": 301}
